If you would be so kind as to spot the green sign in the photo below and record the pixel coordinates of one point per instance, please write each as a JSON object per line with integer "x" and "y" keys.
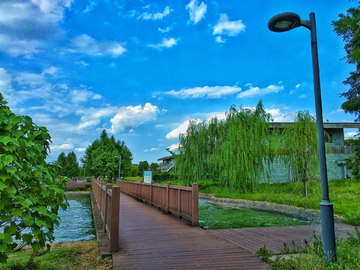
{"x": 147, "y": 177}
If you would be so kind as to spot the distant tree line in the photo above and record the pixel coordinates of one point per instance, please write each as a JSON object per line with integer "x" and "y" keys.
{"x": 102, "y": 158}
{"x": 68, "y": 165}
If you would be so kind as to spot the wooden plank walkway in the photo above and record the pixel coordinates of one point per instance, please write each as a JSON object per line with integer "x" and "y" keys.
{"x": 151, "y": 239}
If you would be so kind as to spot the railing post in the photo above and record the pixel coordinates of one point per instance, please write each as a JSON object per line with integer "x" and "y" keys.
{"x": 195, "y": 204}
{"x": 114, "y": 220}
{"x": 151, "y": 188}
{"x": 167, "y": 196}
{"x": 179, "y": 201}
{"x": 107, "y": 186}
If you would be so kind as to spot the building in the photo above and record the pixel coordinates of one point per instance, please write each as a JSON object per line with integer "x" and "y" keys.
{"x": 335, "y": 153}
{"x": 167, "y": 163}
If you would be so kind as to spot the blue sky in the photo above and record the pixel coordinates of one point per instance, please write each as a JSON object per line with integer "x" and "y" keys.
{"x": 142, "y": 69}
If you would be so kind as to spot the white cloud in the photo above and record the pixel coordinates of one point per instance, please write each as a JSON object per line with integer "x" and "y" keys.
{"x": 78, "y": 96}
{"x": 174, "y": 134}
{"x": 92, "y": 116}
{"x": 65, "y": 146}
{"x": 5, "y": 87}
{"x": 166, "y": 43}
{"x": 88, "y": 45}
{"x": 90, "y": 7}
{"x": 228, "y": 28}
{"x": 256, "y": 91}
{"x": 351, "y": 135}
{"x": 26, "y": 26}
{"x": 302, "y": 96}
{"x": 133, "y": 116}
{"x": 219, "y": 39}
{"x": 152, "y": 150}
{"x": 80, "y": 149}
{"x": 206, "y": 91}
{"x": 155, "y": 16}
{"x": 167, "y": 29}
{"x": 298, "y": 86}
{"x": 82, "y": 63}
{"x": 196, "y": 11}
{"x": 174, "y": 147}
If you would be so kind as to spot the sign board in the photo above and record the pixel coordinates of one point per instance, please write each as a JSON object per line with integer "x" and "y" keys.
{"x": 147, "y": 176}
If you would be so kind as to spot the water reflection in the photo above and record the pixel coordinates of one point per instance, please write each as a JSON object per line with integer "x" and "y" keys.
{"x": 76, "y": 222}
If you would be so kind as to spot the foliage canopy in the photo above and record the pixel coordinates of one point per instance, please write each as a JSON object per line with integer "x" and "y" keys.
{"x": 68, "y": 165}
{"x": 30, "y": 193}
{"x": 300, "y": 147}
{"x": 348, "y": 28}
{"x": 234, "y": 152}
{"x": 100, "y": 157}
{"x": 143, "y": 166}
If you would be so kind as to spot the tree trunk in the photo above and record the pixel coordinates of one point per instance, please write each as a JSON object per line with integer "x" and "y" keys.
{"x": 305, "y": 187}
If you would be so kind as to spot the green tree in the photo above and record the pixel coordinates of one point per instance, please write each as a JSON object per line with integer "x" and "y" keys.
{"x": 69, "y": 166}
{"x": 100, "y": 157}
{"x": 61, "y": 161}
{"x": 134, "y": 171}
{"x": 299, "y": 149}
{"x": 72, "y": 166}
{"x": 348, "y": 28}
{"x": 143, "y": 166}
{"x": 233, "y": 153}
{"x": 30, "y": 193}
{"x": 154, "y": 166}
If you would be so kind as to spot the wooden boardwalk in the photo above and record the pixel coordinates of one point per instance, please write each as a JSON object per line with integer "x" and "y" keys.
{"x": 151, "y": 239}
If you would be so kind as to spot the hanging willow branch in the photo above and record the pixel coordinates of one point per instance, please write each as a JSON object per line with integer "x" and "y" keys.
{"x": 300, "y": 149}
{"x": 233, "y": 153}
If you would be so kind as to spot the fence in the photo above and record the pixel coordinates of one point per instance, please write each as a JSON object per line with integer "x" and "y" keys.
{"x": 341, "y": 149}
{"x": 107, "y": 199}
{"x": 180, "y": 201}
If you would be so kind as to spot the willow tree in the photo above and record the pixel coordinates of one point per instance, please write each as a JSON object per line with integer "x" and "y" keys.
{"x": 300, "y": 147}
{"x": 234, "y": 153}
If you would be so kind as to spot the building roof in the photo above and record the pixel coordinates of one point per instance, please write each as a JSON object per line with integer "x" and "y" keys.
{"x": 166, "y": 158}
{"x": 326, "y": 125}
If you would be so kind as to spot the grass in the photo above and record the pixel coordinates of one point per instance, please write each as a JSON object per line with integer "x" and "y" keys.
{"x": 344, "y": 194}
{"x": 212, "y": 217}
{"x": 312, "y": 257}
{"x": 69, "y": 255}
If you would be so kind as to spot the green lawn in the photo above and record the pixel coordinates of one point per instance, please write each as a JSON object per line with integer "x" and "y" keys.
{"x": 344, "y": 194}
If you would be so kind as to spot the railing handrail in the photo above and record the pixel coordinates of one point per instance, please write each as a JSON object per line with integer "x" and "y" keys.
{"x": 179, "y": 200}
{"x": 107, "y": 199}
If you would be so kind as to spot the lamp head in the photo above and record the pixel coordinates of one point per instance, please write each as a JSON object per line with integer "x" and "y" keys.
{"x": 284, "y": 22}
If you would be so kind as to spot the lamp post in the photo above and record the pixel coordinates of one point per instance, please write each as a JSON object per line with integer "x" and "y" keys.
{"x": 284, "y": 22}
{"x": 119, "y": 164}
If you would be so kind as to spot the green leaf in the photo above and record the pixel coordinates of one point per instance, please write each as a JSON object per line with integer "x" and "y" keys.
{"x": 27, "y": 238}
{"x": 11, "y": 189}
{"x": 2, "y": 185}
{"x": 10, "y": 169}
{"x": 40, "y": 223}
{"x": 17, "y": 212}
{"x": 10, "y": 229}
{"x": 26, "y": 203}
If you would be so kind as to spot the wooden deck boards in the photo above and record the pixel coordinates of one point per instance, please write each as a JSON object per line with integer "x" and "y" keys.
{"x": 151, "y": 239}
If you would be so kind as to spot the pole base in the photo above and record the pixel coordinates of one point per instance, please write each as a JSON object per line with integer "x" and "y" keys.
{"x": 328, "y": 230}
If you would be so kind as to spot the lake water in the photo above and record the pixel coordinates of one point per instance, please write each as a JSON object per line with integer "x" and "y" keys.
{"x": 215, "y": 217}
{"x": 76, "y": 222}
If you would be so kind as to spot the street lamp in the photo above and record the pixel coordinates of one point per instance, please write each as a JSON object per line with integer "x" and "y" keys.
{"x": 119, "y": 164}
{"x": 284, "y": 22}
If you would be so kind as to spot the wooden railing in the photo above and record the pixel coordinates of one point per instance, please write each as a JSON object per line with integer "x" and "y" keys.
{"x": 107, "y": 200}
{"x": 180, "y": 201}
